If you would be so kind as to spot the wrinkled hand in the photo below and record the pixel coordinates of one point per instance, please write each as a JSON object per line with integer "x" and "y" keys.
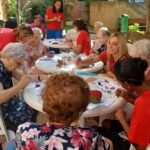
{"x": 25, "y": 80}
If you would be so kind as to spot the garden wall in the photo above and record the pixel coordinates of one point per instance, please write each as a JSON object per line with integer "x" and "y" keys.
{"x": 109, "y": 13}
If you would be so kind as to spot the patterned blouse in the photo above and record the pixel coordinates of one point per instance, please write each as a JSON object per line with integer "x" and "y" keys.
{"x": 15, "y": 111}
{"x": 52, "y": 136}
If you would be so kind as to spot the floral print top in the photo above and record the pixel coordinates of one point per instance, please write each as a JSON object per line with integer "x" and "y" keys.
{"x": 51, "y": 136}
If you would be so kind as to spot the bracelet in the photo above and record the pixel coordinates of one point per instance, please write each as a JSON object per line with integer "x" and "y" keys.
{"x": 39, "y": 79}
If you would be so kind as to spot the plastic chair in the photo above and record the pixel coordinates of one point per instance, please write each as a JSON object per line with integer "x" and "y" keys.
{"x": 3, "y": 130}
{"x": 9, "y": 134}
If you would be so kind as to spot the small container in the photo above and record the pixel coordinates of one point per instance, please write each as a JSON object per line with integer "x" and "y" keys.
{"x": 50, "y": 54}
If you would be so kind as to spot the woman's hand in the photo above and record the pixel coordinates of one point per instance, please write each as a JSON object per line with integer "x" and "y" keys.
{"x": 121, "y": 93}
{"x": 78, "y": 62}
{"x": 70, "y": 44}
{"x": 25, "y": 80}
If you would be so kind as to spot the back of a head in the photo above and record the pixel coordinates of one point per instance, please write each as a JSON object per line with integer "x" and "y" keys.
{"x": 98, "y": 24}
{"x": 80, "y": 24}
{"x": 104, "y": 31}
{"x": 141, "y": 49}
{"x": 131, "y": 70}
{"x": 11, "y": 23}
{"x": 13, "y": 50}
{"x": 65, "y": 98}
{"x": 23, "y": 32}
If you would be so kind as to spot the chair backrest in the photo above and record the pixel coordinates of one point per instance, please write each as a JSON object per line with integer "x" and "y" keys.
{"x": 135, "y": 36}
{"x": 3, "y": 130}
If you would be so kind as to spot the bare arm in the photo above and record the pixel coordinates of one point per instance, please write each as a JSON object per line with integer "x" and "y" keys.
{"x": 88, "y": 61}
{"x": 6, "y": 94}
{"x": 17, "y": 74}
{"x": 125, "y": 95}
{"x": 120, "y": 115}
{"x": 77, "y": 48}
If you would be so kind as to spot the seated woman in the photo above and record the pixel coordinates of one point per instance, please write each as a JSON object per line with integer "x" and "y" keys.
{"x": 14, "y": 109}
{"x": 64, "y": 99}
{"x": 83, "y": 40}
{"x": 130, "y": 73}
{"x": 116, "y": 49}
{"x": 31, "y": 43}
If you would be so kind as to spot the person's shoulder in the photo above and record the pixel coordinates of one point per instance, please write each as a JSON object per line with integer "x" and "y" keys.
{"x": 143, "y": 98}
{"x": 84, "y": 32}
{"x": 6, "y": 30}
{"x": 49, "y": 8}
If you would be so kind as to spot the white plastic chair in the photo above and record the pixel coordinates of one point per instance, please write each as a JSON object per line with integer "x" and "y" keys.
{"x": 9, "y": 134}
{"x": 3, "y": 130}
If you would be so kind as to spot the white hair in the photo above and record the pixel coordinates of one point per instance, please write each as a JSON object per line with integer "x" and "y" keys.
{"x": 13, "y": 50}
{"x": 141, "y": 49}
{"x": 104, "y": 31}
{"x": 98, "y": 24}
{"x": 39, "y": 31}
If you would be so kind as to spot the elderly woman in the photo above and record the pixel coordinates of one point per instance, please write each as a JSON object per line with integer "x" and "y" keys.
{"x": 15, "y": 110}
{"x": 141, "y": 49}
{"x": 64, "y": 99}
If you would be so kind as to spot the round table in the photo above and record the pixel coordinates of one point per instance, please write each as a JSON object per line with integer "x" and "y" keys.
{"x": 52, "y": 65}
{"x": 109, "y": 102}
{"x": 56, "y": 43}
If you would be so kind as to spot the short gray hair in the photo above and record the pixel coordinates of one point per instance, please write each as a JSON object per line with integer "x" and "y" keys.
{"x": 13, "y": 50}
{"x": 141, "y": 49}
{"x": 98, "y": 24}
{"x": 104, "y": 31}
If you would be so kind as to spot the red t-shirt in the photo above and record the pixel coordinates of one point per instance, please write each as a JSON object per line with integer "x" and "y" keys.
{"x": 139, "y": 132}
{"x": 6, "y": 36}
{"x": 84, "y": 40}
{"x": 54, "y": 25}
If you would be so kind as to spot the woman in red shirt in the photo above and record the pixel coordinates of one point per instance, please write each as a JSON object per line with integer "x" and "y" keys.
{"x": 116, "y": 49}
{"x": 83, "y": 40}
{"x": 54, "y": 18}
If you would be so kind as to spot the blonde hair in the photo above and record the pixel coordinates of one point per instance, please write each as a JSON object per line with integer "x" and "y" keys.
{"x": 65, "y": 98}
{"x": 23, "y": 32}
{"x": 13, "y": 50}
{"x": 122, "y": 46}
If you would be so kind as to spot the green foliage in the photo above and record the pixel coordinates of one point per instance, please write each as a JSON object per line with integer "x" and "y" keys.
{"x": 22, "y": 12}
{"x": 40, "y": 7}
{"x": 135, "y": 28}
{"x": 11, "y": 8}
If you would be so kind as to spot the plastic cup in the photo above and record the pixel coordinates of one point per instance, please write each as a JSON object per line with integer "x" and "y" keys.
{"x": 50, "y": 54}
